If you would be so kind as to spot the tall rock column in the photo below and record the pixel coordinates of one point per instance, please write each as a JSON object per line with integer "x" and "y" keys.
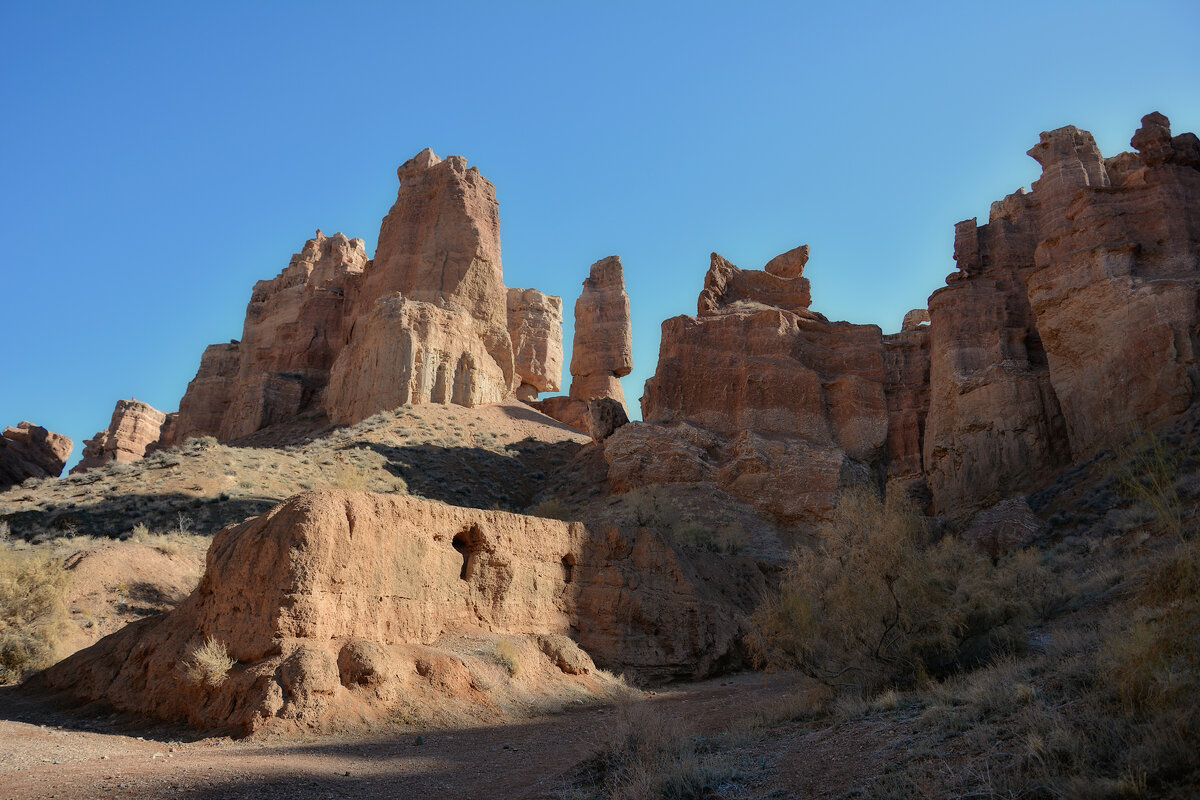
{"x": 602, "y": 350}
{"x": 535, "y": 325}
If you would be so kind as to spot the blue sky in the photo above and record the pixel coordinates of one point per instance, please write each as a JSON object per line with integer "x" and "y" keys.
{"x": 158, "y": 158}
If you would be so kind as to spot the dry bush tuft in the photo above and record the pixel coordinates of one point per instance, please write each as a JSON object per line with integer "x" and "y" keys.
{"x": 652, "y": 755}
{"x": 208, "y": 663}
{"x": 509, "y": 656}
{"x": 32, "y": 612}
{"x": 872, "y": 604}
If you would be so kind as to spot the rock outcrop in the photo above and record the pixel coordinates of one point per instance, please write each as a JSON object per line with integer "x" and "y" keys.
{"x": 535, "y": 327}
{"x": 602, "y": 349}
{"x": 295, "y": 327}
{"x": 757, "y": 387}
{"x": 427, "y": 320}
{"x": 1072, "y": 320}
{"x": 135, "y": 426}
{"x": 338, "y": 607}
{"x": 31, "y": 451}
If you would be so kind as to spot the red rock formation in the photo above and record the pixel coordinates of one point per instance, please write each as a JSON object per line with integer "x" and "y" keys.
{"x": 602, "y": 350}
{"x": 535, "y": 327}
{"x": 1033, "y": 359}
{"x": 31, "y": 451}
{"x": 339, "y": 606}
{"x": 426, "y": 321}
{"x": 134, "y": 427}
{"x": 293, "y": 331}
{"x": 409, "y": 351}
{"x": 440, "y": 243}
{"x": 749, "y": 392}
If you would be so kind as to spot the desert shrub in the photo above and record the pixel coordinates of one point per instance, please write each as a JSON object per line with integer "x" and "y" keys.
{"x": 552, "y": 508}
{"x": 652, "y": 755}
{"x": 1147, "y": 471}
{"x": 208, "y": 663}
{"x": 872, "y": 604}
{"x": 32, "y": 612}
{"x": 1154, "y": 661}
{"x": 508, "y": 655}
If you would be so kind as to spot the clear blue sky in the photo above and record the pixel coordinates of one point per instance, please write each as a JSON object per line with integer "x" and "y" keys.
{"x": 158, "y": 158}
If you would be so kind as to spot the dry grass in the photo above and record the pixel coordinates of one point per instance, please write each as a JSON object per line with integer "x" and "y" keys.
{"x": 508, "y": 655}
{"x": 208, "y": 664}
{"x": 649, "y": 754}
{"x": 32, "y": 612}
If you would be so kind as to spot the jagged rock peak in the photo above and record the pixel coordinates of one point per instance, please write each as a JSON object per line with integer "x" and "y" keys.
{"x": 781, "y": 284}
{"x": 135, "y": 426}
{"x": 418, "y": 163}
{"x": 1154, "y": 143}
{"x": 31, "y": 451}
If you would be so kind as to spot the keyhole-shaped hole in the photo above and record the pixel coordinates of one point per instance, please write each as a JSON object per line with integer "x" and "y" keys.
{"x": 568, "y": 564}
{"x": 468, "y": 543}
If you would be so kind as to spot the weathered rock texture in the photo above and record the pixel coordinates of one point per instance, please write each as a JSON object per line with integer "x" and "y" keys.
{"x": 343, "y": 606}
{"x": 774, "y": 402}
{"x": 535, "y": 327}
{"x": 295, "y": 327}
{"x": 135, "y": 426}
{"x": 31, "y": 451}
{"x": 602, "y": 349}
{"x": 427, "y": 320}
{"x": 1073, "y": 318}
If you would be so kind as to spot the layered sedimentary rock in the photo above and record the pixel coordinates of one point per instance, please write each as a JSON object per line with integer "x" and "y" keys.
{"x": 294, "y": 329}
{"x": 428, "y": 320}
{"x": 602, "y": 349}
{"x": 31, "y": 451}
{"x": 409, "y": 351}
{"x": 135, "y": 426}
{"x": 344, "y": 606}
{"x": 440, "y": 243}
{"x": 774, "y": 402}
{"x": 535, "y": 327}
{"x": 1072, "y": 320}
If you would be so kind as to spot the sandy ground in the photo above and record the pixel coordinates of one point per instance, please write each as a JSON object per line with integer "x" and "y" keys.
{"x": 49, "y": 754}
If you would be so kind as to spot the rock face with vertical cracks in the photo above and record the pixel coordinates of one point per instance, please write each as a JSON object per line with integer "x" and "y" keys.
{"x": 535, "y": 327}
{"x": 294, "y": 329}
{"x": 340, "y": 607}
{"x": 776, "y": 403}
{"x": 411, "y": 351}
{"x": 1073, "y": 318}
{"x": 31, "y": 451}
{"x": 135, "y": 426}
{"x": 311, "y": 340}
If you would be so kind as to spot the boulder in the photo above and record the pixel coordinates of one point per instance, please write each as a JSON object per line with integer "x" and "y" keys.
{"x": 604, "y": 416}
{"x": 31, "y": 451}
{"x": 135, "y": 426}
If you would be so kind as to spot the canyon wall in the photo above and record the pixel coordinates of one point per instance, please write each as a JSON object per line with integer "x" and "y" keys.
{"x": 1071, "y": 323}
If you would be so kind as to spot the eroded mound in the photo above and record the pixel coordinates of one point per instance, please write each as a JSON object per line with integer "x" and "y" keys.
{"x": 337, "y": 609}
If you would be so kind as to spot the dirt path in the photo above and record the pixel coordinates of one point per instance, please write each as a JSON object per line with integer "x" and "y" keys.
{"x": 44, "y": 754}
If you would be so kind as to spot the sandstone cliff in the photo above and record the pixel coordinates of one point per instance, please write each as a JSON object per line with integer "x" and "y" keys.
{"x": 1072, "y": 320}
{"x": 427, "y": 320}
{"x": 772, "y": 401}
{"x": 31, "y": 451}
{"x": 134, "y": 427}
{"x": 360, "y": 604}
